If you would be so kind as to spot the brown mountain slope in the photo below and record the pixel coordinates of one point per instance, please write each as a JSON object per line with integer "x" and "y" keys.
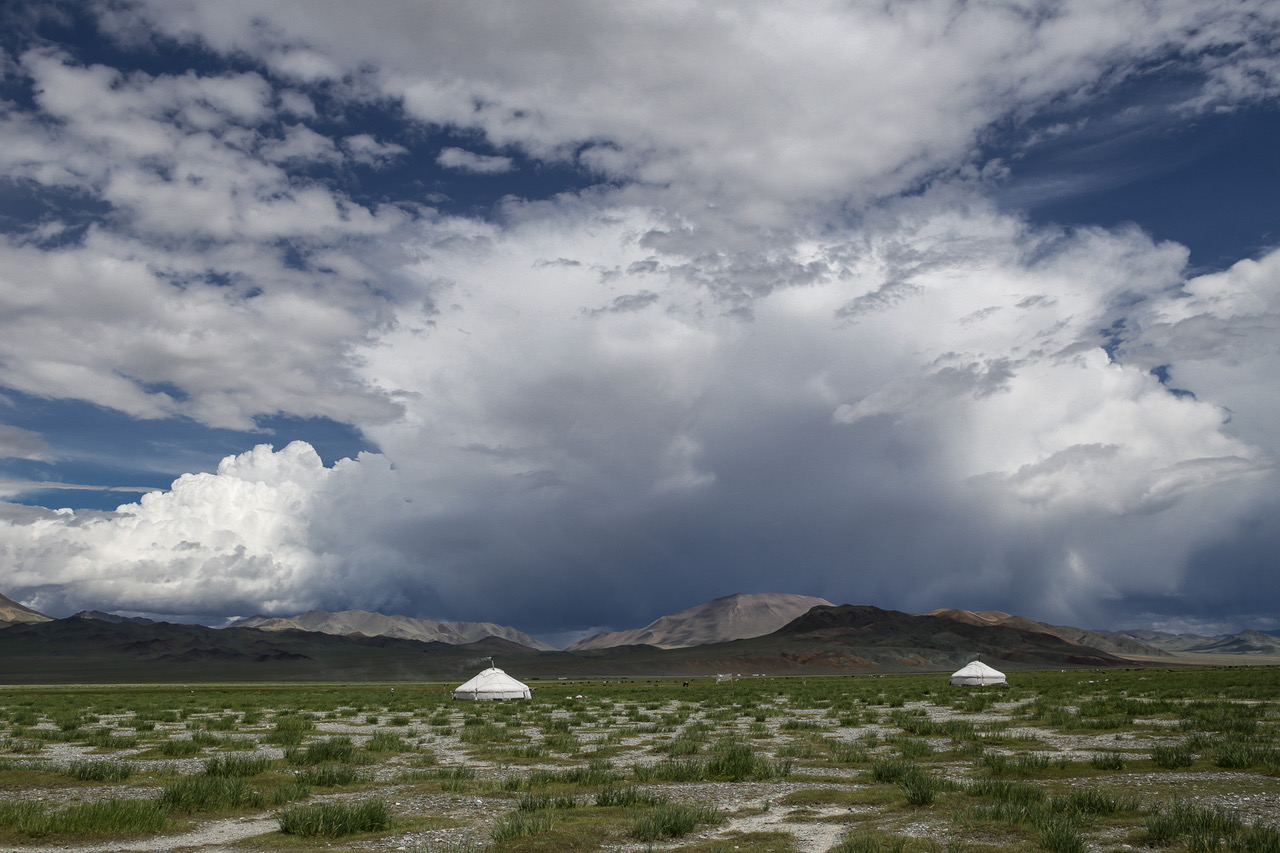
{"x": 13, "y": 612}
{"x": 379, "y": 625}
{"x": 733, "y": 617}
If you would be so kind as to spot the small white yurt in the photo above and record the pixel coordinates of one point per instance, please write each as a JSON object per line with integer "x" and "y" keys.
{"x": 977, "y": 673}
{"x": 492, "y": 684}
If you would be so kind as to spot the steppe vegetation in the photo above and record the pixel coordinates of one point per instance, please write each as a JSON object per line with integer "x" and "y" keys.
{"x": 1066, "y": 762}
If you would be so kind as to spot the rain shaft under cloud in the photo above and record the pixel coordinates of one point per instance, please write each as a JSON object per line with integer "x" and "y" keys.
{"x": 786, "y": 343}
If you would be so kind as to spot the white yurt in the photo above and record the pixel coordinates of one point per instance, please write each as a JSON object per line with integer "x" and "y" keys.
{"x": 492, "y": 684}
{"x": 977, "y": 673}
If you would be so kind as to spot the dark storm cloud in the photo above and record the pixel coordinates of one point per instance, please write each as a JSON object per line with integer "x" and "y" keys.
{"x": 784, "y": 343}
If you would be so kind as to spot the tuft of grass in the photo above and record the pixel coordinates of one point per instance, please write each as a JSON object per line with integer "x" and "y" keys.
{"x": 210, "y": 794}
{"x": 536, "y": 802}
{"x": 102, "y": 817}
{"x": 914, "y": 748}
{"x": 104, "y": 739}
{"x": 630, "y": 797}
{"x": 1005, "y": 791}
{"x": 1237, "y": 755}
{"x": 237, "y": 765}
{"x": 671, "y": 770}
{"x": 1203, "y": 827}
{"x": 519, "y": 824}
{"x": 737, "y": 761}
{"x": 336, "y": 820}
{"x": 386, "y": 742}
{"x": 891, "y": 771}
{"x": 869, "y": 842}
{"x": 338, "y": 749}
{"x": 843, "y": 752}
{"x": 289, "y": 729}
{"x": 331, "y": 775}
{"x": 1172, "y": 757}
{"x": 1061, "y": 834}
{"x": 100, "y": 771}
{"x": 920, "y": 788}
{"x": 455, "y": 779}
{"x": 673, "y": 820}
{"x": 178, "y": 748}
{"x": 1108, "y": 761}
{"x": 484, "y": 732}
{"x": 1093, "y": 801}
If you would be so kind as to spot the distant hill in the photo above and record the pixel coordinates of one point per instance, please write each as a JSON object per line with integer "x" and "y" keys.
{"x": 893, "y": 639}
{"x": 1165, "y": 640}
{"x": 111, "y": 617}
{"x": 93, "y": 650}
{"x": 378, "y": 625}
{"x": 1244, "y": 643}
{"x": 12, "y": 612}
{"x": 1112, "y": 643}
{"x": 733, "y": 617}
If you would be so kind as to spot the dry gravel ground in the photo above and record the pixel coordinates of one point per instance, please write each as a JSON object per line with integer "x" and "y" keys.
{"x": 469, "y": 816}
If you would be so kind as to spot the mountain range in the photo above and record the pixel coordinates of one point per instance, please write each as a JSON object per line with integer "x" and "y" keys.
{"x": 736, "y": 634}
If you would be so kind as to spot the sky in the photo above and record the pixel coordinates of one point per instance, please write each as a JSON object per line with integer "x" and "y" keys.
{"x": 567, "y": 315}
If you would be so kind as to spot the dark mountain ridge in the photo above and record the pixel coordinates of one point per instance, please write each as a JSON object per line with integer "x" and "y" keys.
{"x": 841, "y": 639}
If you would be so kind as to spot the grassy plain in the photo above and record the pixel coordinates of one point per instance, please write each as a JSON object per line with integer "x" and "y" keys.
{"x": 1067, "y": 762}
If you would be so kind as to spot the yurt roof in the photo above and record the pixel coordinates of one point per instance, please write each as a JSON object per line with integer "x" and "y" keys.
{"x": 492, "y": 680}
{"x": 976, "y": 668}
